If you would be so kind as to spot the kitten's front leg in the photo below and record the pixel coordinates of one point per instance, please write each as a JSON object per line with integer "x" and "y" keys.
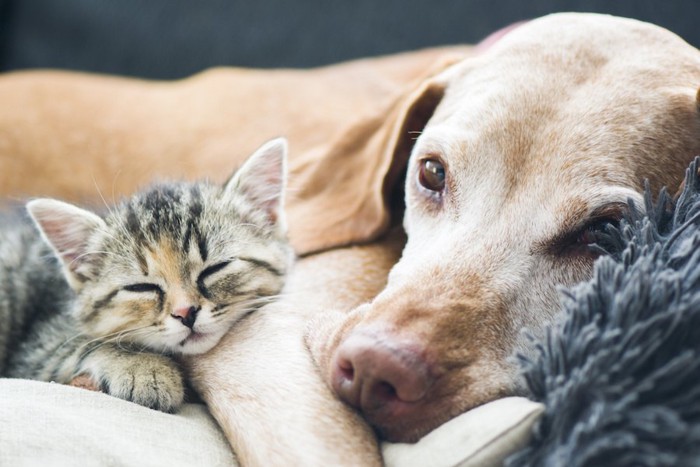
{"x": 148, "y": 379}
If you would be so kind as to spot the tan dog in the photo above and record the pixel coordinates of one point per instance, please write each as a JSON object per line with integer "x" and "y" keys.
{"x": 539, "y": 140}
{"x": 536, "y": 145}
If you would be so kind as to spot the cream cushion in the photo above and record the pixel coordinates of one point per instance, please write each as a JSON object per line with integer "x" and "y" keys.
{"x": 46, "y": 424}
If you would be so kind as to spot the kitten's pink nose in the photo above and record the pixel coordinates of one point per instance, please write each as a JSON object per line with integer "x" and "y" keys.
{"x": 186, "y": 315}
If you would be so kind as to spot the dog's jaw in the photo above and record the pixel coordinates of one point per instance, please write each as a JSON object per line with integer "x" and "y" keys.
{"x": 561, "y": 120}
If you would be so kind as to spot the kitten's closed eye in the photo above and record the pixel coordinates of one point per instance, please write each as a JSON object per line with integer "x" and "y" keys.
{"x": 144, "y": 287}
{"x": 212, "y": 270}
{"x": 208, "y": 273}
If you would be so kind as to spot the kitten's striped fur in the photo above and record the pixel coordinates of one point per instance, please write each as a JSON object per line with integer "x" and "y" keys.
{"x": 167, "y": 271}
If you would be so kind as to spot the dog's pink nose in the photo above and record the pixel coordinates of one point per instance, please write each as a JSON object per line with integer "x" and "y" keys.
{"x": 380, "y": 376}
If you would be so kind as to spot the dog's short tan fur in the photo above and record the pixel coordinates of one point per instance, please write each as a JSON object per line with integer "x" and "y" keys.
{"x": 562, "y": 116}
{"x": 558, "y": 123}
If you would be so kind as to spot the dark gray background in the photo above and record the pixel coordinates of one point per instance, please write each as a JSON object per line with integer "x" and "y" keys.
{"x": 174, "y": 38}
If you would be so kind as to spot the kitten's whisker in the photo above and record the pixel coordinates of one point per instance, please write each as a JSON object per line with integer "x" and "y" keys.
{"x": 114, "y": 184}
{"x": 111, "y": 337}
{"x": 89, "y": 253}
{"x": 245, "y": 305}
{"x": 111, "y": 210}
{"x": 68, "y": 341}
{"x": 99, "y": 192}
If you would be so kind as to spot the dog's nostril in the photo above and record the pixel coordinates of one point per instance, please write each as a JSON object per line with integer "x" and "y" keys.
{"x": 346, "y": 370}
{"x": 385, "y": 391}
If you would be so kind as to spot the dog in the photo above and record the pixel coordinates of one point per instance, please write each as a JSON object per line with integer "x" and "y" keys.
{"x": 523, "y": 153}
{"x": 536, "y": 146}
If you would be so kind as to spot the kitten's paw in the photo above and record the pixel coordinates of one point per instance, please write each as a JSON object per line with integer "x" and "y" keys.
{"x": 84, "y": 382}
{"x": 151, "y": 380}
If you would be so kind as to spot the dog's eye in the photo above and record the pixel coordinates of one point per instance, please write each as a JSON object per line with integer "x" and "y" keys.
{"x": 596, "y": 238}
{"x": 431, "y": 175}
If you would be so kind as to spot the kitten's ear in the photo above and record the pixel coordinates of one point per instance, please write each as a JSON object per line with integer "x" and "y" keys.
{"x": 262, "y": 180}
{"x": 67, "y": 229}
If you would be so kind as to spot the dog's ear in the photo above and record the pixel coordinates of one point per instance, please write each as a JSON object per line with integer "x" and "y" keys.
{"x": 344, "y": 191}
{"x": 412, "y": 116}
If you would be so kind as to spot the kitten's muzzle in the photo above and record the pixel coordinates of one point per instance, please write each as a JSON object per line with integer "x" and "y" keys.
{"x": 186, "y": 315}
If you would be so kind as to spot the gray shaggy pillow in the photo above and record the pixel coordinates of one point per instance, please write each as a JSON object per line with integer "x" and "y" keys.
{"x": 620, "y": 372}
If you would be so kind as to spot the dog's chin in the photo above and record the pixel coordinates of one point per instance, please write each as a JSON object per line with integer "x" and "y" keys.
{"x": 409, "y": 429}
{"x": 407, "y": 423}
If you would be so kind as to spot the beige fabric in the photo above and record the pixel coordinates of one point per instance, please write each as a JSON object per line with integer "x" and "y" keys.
{"x": 482, "y": 437}
{"x": 44, "y": 424}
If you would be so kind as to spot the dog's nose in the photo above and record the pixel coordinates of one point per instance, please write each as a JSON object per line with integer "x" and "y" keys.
{"x": 379, "y": 375}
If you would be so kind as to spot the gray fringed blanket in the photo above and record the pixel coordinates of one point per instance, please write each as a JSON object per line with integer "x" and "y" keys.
{"x": 620, "y": 372}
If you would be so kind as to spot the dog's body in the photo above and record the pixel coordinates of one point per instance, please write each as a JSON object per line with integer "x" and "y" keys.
{"x": 532, "y": 146}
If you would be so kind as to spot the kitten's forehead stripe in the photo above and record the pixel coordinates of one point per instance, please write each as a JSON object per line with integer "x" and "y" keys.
{"x": 132, "y": 226}
{"x": 162, "y": 203}
{"x": 195, "y": 210}
{"x": 195, "y": 202}
{"x": 187, "y": 238}
{"x": 202, "y": 244}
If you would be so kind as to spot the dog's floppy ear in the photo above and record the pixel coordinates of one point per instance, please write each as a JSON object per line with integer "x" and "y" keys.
{"x": 349, "y": 186}
{"x": 413, "y": 115}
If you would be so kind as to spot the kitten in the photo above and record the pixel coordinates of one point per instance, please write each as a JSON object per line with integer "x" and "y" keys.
{"x": 166, "y": 272}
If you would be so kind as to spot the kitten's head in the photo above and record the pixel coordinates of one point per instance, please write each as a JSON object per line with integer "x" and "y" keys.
{"x": 173, "y": 267}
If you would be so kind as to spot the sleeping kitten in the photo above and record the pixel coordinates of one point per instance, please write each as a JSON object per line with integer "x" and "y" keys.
{"x": 166, "y": 272}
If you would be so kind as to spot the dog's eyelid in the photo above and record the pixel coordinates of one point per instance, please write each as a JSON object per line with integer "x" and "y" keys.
{"x": 614, "y": 211}
{"x": 608, "y": 213}
{"x": 432, "y": 156}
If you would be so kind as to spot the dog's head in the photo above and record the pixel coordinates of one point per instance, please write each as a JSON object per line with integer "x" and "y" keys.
{"x": 534, "y": 146}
